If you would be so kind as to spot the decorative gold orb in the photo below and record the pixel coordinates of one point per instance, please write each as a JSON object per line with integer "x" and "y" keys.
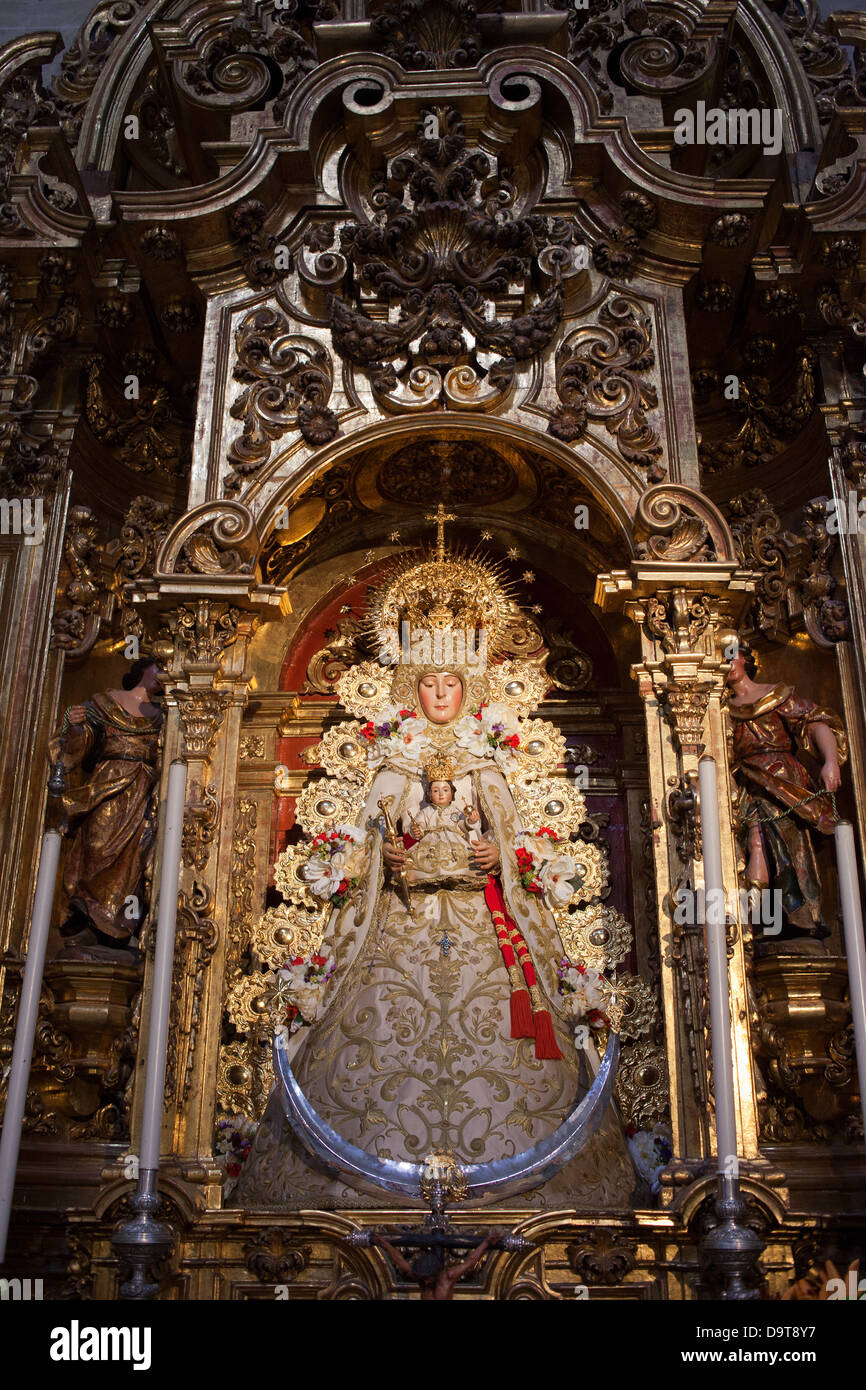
{"x": 600, "y": 936}
{"x": 283, "y": 936}
{"x": 515, "y": 688}
{"x": 348, "y": 749}
{"x": 325, "y": 807}
{"x": 535, "y": 746}
{"x": 366, "y": 688}
{"x": 554, "y": 808}
{"x": 239, "y": 1076}
{"x": 648, "y": 1075}
{"x": 259, "y": 1005}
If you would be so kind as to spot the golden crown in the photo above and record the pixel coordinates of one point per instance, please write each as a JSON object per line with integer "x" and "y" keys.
{"x": 440, "y": 768}
{"x": 438, "y": 594}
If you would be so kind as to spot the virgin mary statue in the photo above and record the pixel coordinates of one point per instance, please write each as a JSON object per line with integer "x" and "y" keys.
{"x": 429, "y": 1004}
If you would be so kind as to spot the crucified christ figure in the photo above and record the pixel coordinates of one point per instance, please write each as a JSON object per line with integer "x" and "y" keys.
{"x": 429, "y": 1270}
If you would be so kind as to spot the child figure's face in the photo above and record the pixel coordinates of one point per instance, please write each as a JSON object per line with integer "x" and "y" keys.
{"x": 441, "y": 793}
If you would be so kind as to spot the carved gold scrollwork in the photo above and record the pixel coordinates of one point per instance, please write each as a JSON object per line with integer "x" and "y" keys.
{"x": 204, "y": 630}
{"x": 600, "y": 376}
{"x": 200, "y": 822}
{"x": 201, "y": 713}
{"x": 686, "y": 706}
{"x": 642, "y": 1085}
{"x": 287, "y": 384}
{"x": 198, "y": 937}
{"x": 675, "y": 523}
{"x": 598, "y": 935}
{"x": 216, "y": 538}
{"x": 677, "y": 618}
{"x": 328, "y": 802}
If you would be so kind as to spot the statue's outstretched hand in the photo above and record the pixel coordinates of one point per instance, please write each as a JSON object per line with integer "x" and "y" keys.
{"x": 486, "y": 855}
{"x": 76, "y": 714}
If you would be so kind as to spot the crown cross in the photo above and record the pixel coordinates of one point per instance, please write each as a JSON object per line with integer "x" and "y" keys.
{"x": 440, "y": 516}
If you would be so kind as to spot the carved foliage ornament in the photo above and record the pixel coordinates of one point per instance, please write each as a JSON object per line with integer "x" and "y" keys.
{"x": 287, "y": 383}
{"x": 600, "y": 374}
{"x": 198, "y": 937}
{"x": 201, "y": 714}
{"x": 766, "y": 427}
{"x": 795, "y": 570}
{"x": 101, "y": 578}
{"x": 677, "y": 619}
{"x": 205, "y": 630}
{"x": 151, "y": 436}
{"x": 423, "y": 34}
{"x": 446, "y": 245}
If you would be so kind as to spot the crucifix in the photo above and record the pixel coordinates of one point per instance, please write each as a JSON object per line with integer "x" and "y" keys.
{"x": 440, "y": 516}
{"x": 445, "y": 943}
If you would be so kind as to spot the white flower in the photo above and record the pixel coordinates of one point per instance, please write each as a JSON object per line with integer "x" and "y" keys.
{"x": 324, "y": 877}
{"x": 555, "y": 875}
{"x": 471, "y": 734}
{"x": 649, "y": 1149}
{"x": 353, "y": 855}
{"x": 541, "y": 846}
{"x": 308, "y": 1000}
{"x": 352, "y": 832}
{"x": 499, "y": 719}
{"x": 293, "y": 975}
{"x": 408, "y": 740}
{"x": 585, "y": 992}
{"x": 412, "y": 739}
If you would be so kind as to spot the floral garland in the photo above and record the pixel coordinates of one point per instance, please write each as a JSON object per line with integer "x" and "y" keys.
{"x": 334, "y": 867}
{"x": 582, "y": 990}
{"x": 395, "y": 730}
{"x": 651, "y": 1150}
{"x": 233, "y": 1141}
{"x": 491, "y": 731}
{"x": 301, "y": 983}
{"x": 543, "y": 867}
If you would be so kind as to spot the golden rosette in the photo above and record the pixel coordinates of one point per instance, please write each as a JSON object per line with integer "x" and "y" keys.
{"x": 286, "y": 931}
{"x": 598, "y": 935}
{"x": 328, "y": 802}
{"x": 365, "y": 688}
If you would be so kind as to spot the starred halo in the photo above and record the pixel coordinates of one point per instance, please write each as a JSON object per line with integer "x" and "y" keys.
{"x": 441, "y": 588}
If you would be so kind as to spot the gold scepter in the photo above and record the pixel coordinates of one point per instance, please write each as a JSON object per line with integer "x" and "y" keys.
{"x": 384, "y": 806}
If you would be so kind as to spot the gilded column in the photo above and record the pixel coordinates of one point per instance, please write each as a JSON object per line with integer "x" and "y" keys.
{"x": 685, "y": 595}
{"x": 211, "y": 628}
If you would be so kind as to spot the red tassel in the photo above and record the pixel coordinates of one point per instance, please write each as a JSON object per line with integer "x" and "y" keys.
{"x": 545, "y": 1039}
{"x": 521, "y": 1015}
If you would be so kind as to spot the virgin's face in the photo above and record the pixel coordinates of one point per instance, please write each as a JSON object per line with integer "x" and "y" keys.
{"x": 441, "y": 695}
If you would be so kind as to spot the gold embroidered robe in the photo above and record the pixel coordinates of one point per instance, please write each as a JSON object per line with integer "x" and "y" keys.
{"x": 412, "y": 1051}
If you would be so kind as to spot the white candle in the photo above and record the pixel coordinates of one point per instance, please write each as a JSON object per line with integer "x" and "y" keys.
{"x": 163, "y": 968}
{"x": 717, "y": 962}
{"x": 852, "y": 922}
{"x": 28, "y": 1009}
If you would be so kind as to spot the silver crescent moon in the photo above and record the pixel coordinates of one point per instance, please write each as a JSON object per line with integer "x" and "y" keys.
{"x": 503, "y": 1177}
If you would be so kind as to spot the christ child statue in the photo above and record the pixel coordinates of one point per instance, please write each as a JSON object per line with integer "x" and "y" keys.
{"x": 441, "y": 835}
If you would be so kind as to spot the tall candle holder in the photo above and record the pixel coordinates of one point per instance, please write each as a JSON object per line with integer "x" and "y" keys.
{"x": 731, "y": 1248}
{"x": 142, "y": 1242}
